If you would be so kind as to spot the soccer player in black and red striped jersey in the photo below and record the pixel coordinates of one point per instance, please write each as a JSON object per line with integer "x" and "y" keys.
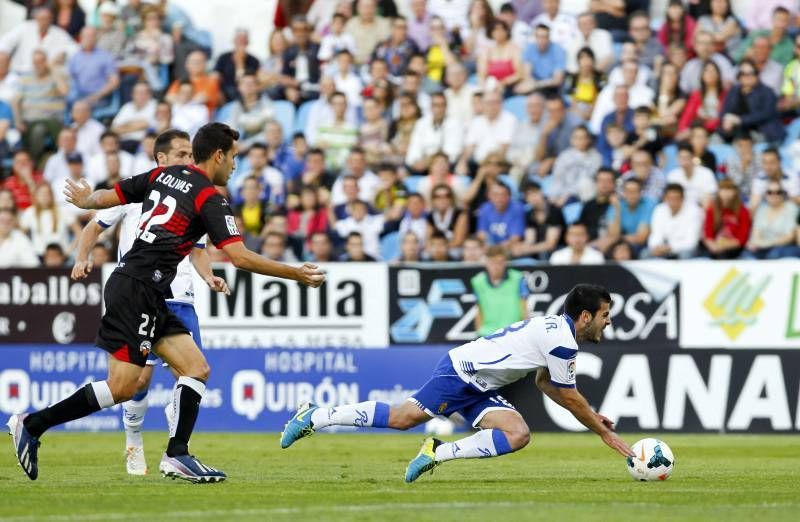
{"x": 179, "y": 206}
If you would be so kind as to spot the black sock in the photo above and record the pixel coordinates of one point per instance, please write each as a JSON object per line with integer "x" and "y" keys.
{"x": 78, "y": 405}
{"x": 187, "y": 410}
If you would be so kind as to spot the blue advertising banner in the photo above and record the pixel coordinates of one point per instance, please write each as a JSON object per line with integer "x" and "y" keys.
{"x": 249, "y": 390}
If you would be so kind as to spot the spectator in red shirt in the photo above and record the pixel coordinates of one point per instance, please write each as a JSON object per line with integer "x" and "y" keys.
{"x": 23, "y": 179}
{"x": 678, "y": 28}
{"x": 705, "y": 104}
{"x": 309, "y": 218}
{"x": 727, "y": 224}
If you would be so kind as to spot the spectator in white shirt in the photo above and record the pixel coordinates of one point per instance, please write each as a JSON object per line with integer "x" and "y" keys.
{"x": 38, "y": 33}
{"x": 16, "y": 250}
{"x": 97, "y": 166}
{"x": 528, "y": 132}
{"x": 490, "y": 132}
{"x": 434, "y": 133}
{"x": 598, "y": 40}
{"x": 87, "y": 129}
{"x": 675, "y": 226}
{"x": 250, "y": 113}
{"x": 135, "y": 117}
{"x": 143, "y": 160}
{"x": 347, "y": 81}
{"x": 577, "y": 251}
{"x": 369, "y": 226}
{"x": 187, "y": 114}
{"x": 336, "y": 40}
{"x": 698, "y": 182}
{"x": 56, "y": 167}
{"x": 75, "y": 172}
{"x": 368, "y": 181}
{"x": 459, "y": 94}
{"x": 563, "y": 27}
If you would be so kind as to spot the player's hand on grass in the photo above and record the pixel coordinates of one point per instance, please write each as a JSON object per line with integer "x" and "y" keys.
{"x": 78, "y": 193}
{"x": 81, "y": 269}
{"x": 613, "y": 441}
{"x": 218, "y": 284}
{"x": 310, "y": 275}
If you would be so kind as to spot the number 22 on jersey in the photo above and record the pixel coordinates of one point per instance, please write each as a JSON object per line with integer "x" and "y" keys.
{"x": 148, "y": 219}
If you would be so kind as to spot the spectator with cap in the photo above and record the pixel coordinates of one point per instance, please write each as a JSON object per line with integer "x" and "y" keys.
{"x": 16, "y": 250}
{"x": 596, "y": 39}
{"x": 87, "y": 130}
{"x": 39, "y": 104}
{"x": 501, "y": 293}
{"x": 38, "y": 33}
{"x": 751, "y": 106}
{"x": 233, "y": 65}
{"x": 135, "y": 117}
{"x": 111, "y": 35}
{"x": 93, "y": 71}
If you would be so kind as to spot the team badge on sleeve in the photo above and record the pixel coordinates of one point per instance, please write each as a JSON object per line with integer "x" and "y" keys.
{"x": 571, "y": 370}
{"x": 231, "y": 222}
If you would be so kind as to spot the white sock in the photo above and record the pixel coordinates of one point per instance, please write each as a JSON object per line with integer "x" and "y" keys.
{"x": 133, "y": 413}
{"x": 485, "y": 443}
{"x": 363, "y": 414}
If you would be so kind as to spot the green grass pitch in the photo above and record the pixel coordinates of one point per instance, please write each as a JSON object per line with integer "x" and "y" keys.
{"x": 561, "y": 477}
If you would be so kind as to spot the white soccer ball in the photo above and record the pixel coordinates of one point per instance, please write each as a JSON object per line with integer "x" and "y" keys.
{"x": 439, "y": 426}
{"x": 654, "y": 460}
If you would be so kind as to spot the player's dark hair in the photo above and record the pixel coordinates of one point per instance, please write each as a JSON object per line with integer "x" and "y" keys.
{"x": 164, "y": 141}
{"x": 211, "y": 138}
{"x": 585, "y": 297}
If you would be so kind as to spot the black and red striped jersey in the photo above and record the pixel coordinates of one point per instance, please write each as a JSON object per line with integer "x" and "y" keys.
{"x": 179, "y": 205}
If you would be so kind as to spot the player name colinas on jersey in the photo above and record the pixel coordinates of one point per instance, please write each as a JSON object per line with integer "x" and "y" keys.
{"x": 174, "y": 183}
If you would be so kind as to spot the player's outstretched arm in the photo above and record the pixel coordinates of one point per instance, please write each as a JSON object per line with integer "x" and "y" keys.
{"x": 80, "y": 194}
{"x": 83, "y": 266}
{"x": 572, "y": 400}
{"x": 202, "y": 263}
{"x": 248, "y": 260}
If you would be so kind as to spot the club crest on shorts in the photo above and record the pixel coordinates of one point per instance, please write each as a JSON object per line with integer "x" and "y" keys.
{"x": 145, "y": 348}
{"x": 442, "y": 407}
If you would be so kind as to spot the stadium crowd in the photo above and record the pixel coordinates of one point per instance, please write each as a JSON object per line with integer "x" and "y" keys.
{"x": 408, "y": 131}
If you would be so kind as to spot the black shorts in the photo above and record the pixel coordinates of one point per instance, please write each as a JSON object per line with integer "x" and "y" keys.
{"x": 136, "y": 318}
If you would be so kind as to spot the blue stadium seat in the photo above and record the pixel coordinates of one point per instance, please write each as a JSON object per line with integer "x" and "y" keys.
{"x": 412, "y": 183}
{"x": 516, "y": 106}
{"x": 390, "y": 246}
{"x": 284, "y": 114}
{"x": 473, "y": 79}
{"x": 721, "y": 151}
{"x": 545, "y": 183}
{"x": 670, "y": 158}
{"x": 301, "y": 118}
{"x": 792, "y": 132}
{"x": 572, "y": 212}
{"x": 224, "y": 112}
